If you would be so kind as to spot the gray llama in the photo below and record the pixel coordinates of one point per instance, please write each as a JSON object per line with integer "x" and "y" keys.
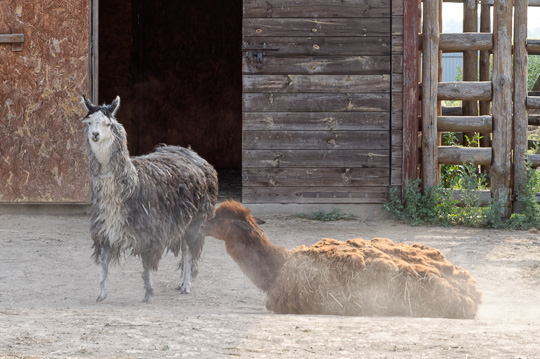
{"x": 145, "y": 205}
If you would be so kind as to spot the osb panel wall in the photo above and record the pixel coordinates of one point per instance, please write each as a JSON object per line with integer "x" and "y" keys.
{"x": 42, "y": 156}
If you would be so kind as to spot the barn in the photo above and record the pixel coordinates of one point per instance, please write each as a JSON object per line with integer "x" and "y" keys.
{"x": 299, "y": 100}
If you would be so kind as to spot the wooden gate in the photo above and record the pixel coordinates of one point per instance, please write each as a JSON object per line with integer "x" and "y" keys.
{"x": 316, "y": 101}
{"x": 42, "y": 157}
{"x": 506, "y": 123}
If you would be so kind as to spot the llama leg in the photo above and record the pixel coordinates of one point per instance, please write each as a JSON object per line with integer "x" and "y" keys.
{"x": 185, "y": 286}
{"x": 104, "y": 261}
{"x": 195, "y": 248}
{"x": 147, "y": 278}
{"x": 192, "y": 246}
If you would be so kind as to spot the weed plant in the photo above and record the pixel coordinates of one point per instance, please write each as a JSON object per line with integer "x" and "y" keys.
{"x": 530, "y": 213}
{"x": 437, "y": 205}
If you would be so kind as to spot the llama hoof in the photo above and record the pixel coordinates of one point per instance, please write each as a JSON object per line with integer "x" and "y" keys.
{"x": 148, "y": 300}
{"x": 101, "y": 298}
{"x": 184, "y": 289}
{"x": 148, "y": 296}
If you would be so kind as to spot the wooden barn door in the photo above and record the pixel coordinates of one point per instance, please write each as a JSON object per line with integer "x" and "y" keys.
{"x": 42, "y": 153}
{"x": 316, "y": 101}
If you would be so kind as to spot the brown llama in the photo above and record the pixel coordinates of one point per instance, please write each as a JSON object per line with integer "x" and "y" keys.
{"x": 353, "y": 277}
{"x": 247, "y": 244}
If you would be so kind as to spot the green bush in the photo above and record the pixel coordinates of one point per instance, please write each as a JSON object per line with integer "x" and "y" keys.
{"x": 437, "y": 206}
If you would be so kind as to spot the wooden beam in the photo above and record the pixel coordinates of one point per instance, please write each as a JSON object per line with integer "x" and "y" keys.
{"x": 475, "y": 41}
{"x": 410, "y": 91}
{"x": 430, "y": 64}
{"x": 452, "y": 111}
{"x": 534, "y": 120}
{"x": 502, "y": 102}
{"x": 458, "y": 42}
{"x": 456, "y": 155}
{"x": 464, "y": 123}
{"x": 520, "y": 97}
{"x": 533, "y": 102}
{"x": 533, "y": 47}
{"x": 465, "y": 90}
{"x": 11, "y": 38}
{"x": 534, "y": 160}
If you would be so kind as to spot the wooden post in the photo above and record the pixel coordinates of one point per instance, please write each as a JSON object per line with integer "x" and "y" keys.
{"x": 430, "y": 72}
{"x": 439, "y": 102}
{"x": 502, "y": 103}
{"x": 470, "y": 58}
{"x": 410, "y": 91}
{"x": 520, "y": 99}
{"x": 485, "y": 73}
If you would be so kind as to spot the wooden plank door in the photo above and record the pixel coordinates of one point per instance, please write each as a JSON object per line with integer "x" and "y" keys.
{"x": 42, "y": 153}
{"x": 316, "y": 101}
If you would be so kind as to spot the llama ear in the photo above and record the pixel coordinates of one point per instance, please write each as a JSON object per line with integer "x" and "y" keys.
{"x": 259, "y": 221}
{"x": 114, "y": 106}
{"x": 89, "y": 105}
{"x": 243, "y": 225}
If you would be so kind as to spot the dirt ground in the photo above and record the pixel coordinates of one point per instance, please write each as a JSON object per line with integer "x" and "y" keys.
{"x": 48, "y": 287}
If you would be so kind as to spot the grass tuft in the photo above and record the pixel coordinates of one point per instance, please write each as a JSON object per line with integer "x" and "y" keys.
{"x": 334, "y": 215}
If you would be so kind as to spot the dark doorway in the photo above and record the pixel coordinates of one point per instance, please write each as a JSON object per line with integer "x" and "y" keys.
{"x": 177, "y": 66}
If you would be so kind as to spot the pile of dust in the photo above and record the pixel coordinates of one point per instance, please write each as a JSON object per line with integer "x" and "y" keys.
{"x": 373, "y": 278}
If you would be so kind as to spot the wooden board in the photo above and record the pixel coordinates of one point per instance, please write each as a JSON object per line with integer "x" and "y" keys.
{"x": 316, "y": 121}
{"x": 324, "y": 177}
{"x": 315, "y": 194}
{"x": 346, "y": 140}
{"x": 317, "y": 102}
{"x": 316, "y": 8}
{"x": 316, "y": 158}
{"x": 316, "y": 83}
{"x": 336, "y": 65}
{"x": 318, "y": 27}
{"x": 322, "y": 46}
{"x": 42, "y": 151}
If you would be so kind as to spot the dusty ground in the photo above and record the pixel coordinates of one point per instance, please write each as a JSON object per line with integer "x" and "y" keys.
{"x": 48, "y": 286}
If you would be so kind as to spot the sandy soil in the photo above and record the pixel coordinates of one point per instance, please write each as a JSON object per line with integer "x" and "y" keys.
{"x": 48, "y": 286}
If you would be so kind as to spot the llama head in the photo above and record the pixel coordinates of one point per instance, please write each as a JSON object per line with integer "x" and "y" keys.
{"x": 100, "y": 120}
{"x": 102, "y": 130}
{"x": 231, "y": 220}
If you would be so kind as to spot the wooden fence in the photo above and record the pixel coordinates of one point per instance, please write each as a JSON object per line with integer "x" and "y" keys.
{"x": 495, "y": 107}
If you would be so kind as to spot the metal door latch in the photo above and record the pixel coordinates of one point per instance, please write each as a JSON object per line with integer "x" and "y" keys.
{"x": 257, "y": 52}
